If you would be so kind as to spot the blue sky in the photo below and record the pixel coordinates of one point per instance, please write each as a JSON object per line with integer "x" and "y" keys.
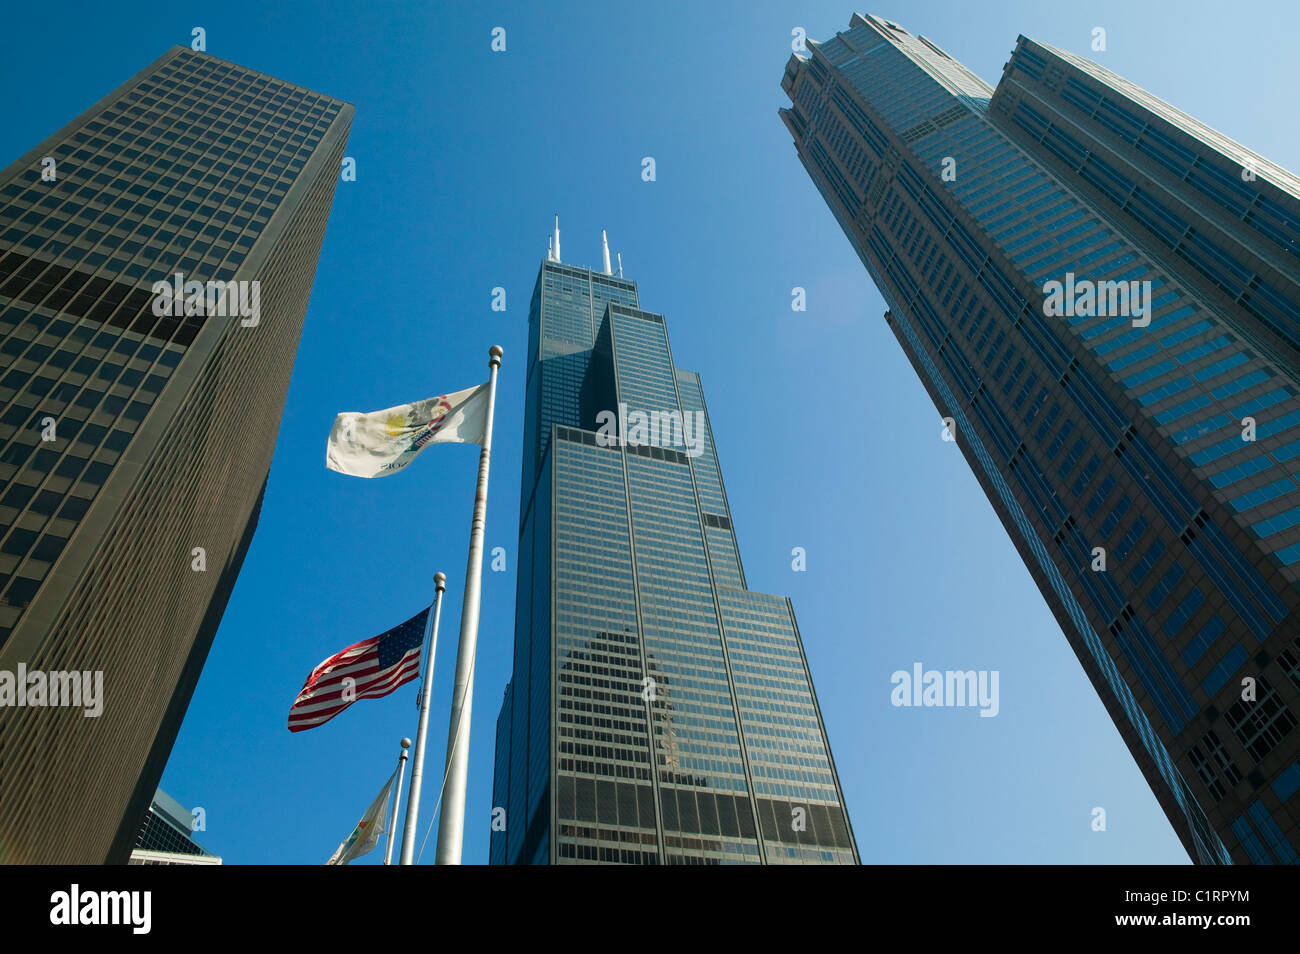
{"x": 826, "y": 437}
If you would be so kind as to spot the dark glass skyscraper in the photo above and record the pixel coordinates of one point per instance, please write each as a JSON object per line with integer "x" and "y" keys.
{"x": 659, "y": 711}
{"x": 1140, "y": 444}
{"x": 136, "y": 438}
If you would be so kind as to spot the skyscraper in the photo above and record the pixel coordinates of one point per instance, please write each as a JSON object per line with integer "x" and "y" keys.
{"x": 166, "y": 836}
{"x": 1100, "y": 294}
{"x": 137, "y": 428}
{"x": 659, "y": 711}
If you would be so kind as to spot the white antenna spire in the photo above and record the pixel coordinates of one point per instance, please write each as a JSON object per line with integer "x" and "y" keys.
{"x": 604, "y": 252}
{"x": 557, "y": 236}
{"x": 550, "y": 249}
{"x": 620, "y": 264}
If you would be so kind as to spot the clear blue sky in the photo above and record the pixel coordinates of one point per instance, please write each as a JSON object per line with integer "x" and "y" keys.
{"x": 826, "y": 437}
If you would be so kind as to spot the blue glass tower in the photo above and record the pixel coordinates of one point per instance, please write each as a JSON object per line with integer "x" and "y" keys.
{"x": 1141, "y": 445}
{"x": 659, "y": 711}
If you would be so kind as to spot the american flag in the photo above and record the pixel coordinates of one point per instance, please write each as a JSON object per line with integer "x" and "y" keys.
{"x": 372, "y": 668}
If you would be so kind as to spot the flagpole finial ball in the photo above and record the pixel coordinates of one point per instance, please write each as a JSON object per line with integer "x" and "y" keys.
{"x": 495, "y": 352}
{"x": 406, "y": 743}
{"x": 440, "y": 580}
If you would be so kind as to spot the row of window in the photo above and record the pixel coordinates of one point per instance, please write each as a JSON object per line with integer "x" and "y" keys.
{"x": 1133, "y": 335}
{"x": 1226, "y": 188}
{"x": 1248, "y": 289}
{"x": 1190, "y": 602}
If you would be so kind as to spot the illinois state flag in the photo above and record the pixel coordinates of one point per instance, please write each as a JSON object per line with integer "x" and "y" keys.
{"x": 366, "y": 835}
{"x": 383, "y": 442}
{"x": 366, "y": 670}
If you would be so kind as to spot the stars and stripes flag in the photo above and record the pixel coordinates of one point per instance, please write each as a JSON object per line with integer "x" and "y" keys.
{"x": 367, "y": 670}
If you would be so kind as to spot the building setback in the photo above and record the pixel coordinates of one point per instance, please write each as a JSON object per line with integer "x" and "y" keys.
{"x": 659, "y": 712}
{"x": 1165, "y": 442}
{"x": 135, "y": 446}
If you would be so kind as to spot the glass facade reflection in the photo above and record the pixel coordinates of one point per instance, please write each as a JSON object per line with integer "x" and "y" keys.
{"x": 659, "y": 711}
{"x": 1168, "y": 441}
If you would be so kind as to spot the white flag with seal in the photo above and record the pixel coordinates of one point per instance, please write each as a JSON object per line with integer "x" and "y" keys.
{"x": 366, "y": 835}
{"x": 383, "y": 442}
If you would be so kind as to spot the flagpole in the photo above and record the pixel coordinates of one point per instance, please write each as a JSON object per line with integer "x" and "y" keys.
{"x": 426, "y": 693}
{"x": 397, "y": 802}
{"x": 451, "y": 822}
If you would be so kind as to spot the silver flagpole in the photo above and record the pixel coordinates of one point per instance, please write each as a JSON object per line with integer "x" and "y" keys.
{"x": 451, "y": 822}
{"x": 397, "y": 802}
{"x": 417, "y": 763}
